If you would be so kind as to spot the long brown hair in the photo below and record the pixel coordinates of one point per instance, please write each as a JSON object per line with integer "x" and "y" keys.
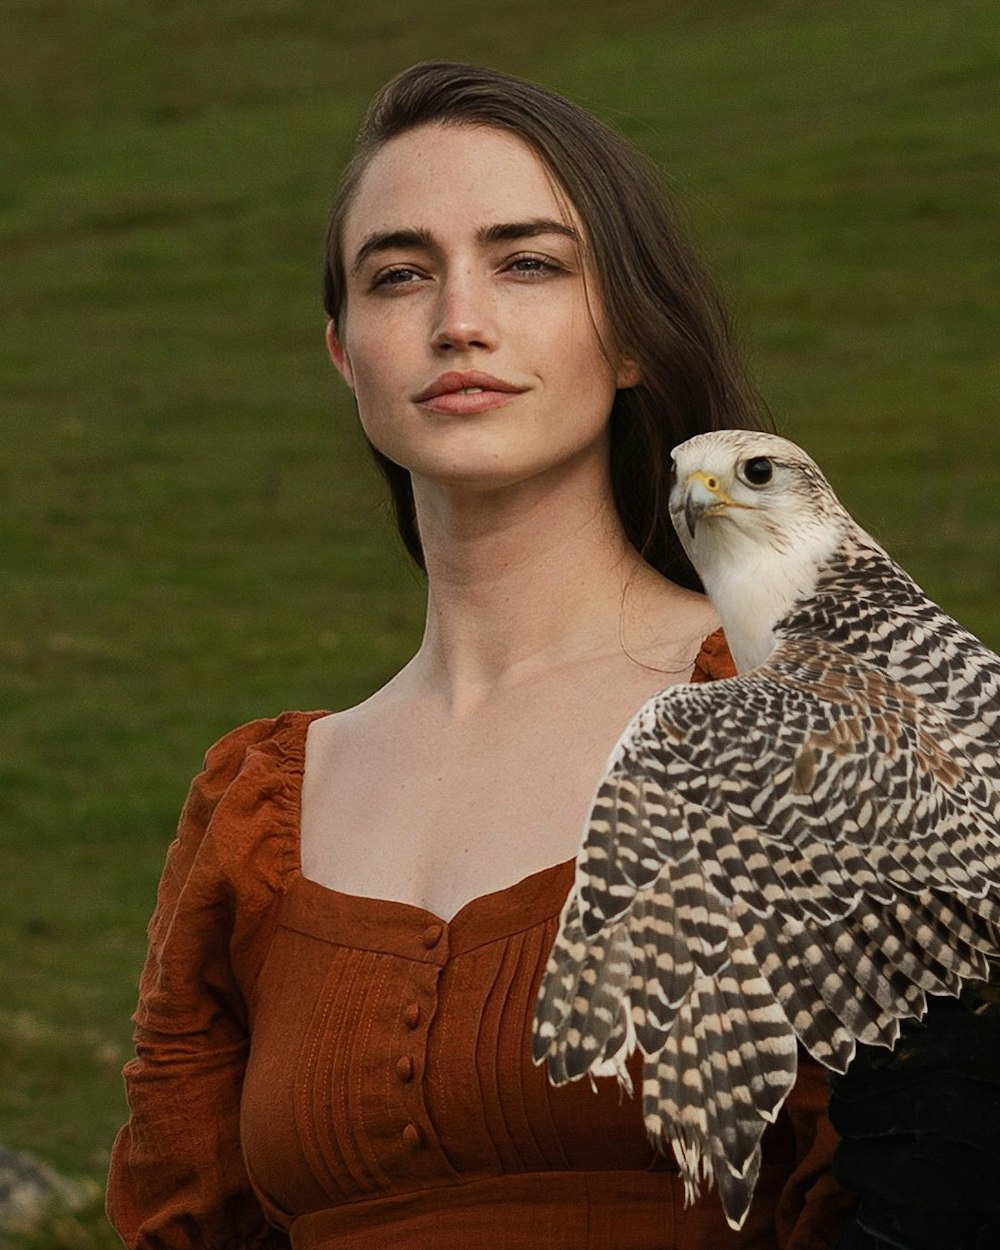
{"x": 660, "y": 306}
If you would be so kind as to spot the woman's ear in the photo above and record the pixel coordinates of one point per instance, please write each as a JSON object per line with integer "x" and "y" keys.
{"x": 629, "y": 375}
{"x": 341, "y": 361}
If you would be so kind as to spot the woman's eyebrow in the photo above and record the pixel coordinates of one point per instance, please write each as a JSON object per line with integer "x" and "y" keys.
{"x": 502, "y": 232}
{"x": 387, "y": 240}
{"x": 511, "y": 231}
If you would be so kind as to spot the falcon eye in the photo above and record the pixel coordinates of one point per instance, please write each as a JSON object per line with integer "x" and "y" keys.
{"x": 757, "y": 471}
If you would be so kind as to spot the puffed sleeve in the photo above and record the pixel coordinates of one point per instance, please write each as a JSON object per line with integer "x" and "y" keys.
{"x": 177, "y": 1176}
{"x": 812, "y": 1208}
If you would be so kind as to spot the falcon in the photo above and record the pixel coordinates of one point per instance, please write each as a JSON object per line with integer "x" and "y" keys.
{"x": 799, "y": 853}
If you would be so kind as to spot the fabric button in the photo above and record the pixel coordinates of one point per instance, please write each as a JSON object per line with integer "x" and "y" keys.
{"x": 411, "y": 1015}
{"x": 412, "y": 1135}
{"x": 404, "y": 1068}
{"x": 432, "y": 935}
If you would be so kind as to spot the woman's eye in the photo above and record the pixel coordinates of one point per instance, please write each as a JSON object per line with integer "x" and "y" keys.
{"x": 757, "y": 471}
{"x": 399, "y": 275}
{"x": 534, "y": 265}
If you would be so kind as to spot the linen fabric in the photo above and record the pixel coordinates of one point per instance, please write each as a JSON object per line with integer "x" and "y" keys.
{"x": 332, "y": 1072}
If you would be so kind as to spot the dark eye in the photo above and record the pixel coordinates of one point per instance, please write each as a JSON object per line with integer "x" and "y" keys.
{"x": 533, "y": 265}
{"x": 757, "y": 471}
{"x": 396, "y": 276}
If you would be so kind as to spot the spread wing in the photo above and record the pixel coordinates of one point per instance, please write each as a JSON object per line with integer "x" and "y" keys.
{"x": 800, "y": 853}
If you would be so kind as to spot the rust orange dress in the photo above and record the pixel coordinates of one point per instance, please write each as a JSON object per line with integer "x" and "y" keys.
{"x": 343, "y": 1073}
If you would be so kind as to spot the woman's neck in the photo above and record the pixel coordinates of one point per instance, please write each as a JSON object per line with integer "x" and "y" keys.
{"x": 521, "y": 581}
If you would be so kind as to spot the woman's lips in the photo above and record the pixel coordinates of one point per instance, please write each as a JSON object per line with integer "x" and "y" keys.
{"x": 466, "y": 393}
{"x": 467, "y": 403}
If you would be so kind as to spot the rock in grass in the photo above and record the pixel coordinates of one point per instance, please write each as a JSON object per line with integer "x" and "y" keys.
{"x": 29, "y": 1189}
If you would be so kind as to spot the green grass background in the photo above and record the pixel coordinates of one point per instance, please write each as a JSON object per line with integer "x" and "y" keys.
{"x": 190, "y": 533}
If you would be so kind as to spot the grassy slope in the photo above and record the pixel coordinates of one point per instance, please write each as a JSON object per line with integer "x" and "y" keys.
{"x": 191, "y": 535}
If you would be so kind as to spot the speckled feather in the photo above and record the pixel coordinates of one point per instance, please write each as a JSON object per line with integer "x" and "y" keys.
{"x": 798, "y": 853}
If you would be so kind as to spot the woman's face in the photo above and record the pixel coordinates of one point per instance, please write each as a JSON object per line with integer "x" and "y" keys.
{"x": 471, "y": 336}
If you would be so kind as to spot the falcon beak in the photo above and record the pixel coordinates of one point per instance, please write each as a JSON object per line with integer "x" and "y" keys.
{"x": 704, "y": 495}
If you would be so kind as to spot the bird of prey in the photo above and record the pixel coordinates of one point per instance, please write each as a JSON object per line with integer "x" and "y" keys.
{"x": 799, "y": 853}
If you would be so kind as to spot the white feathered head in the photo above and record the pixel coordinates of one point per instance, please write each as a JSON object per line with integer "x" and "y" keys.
{"x": 758, "y": 520}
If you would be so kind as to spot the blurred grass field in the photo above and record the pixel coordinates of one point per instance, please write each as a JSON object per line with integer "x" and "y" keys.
{"x": 191, "y": 535}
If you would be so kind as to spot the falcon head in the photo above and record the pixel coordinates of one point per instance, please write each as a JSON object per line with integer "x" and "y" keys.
{"x": 758, "y": 520}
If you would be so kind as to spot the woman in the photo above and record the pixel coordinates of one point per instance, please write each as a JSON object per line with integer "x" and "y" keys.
{"x": 334, "y": 1022}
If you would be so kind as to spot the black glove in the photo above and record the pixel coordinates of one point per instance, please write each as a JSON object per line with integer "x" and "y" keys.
{"x": 920, "y": 1130}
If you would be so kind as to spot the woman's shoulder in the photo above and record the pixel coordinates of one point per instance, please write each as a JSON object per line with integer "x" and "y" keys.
{"x": 713, "y": 660}
{"x": 280, "y": 739}
{"x": 242, "y": 808}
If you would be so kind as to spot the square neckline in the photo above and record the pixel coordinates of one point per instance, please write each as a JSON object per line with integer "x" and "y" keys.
{"x": 491, "y": 901}
{"x": 395, "y": 927}
{"x": 712, "y": 662}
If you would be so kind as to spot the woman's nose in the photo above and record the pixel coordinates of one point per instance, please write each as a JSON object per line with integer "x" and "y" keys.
{"x": 465, "y": 316}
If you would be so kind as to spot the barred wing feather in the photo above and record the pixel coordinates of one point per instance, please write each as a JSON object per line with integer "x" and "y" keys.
{"x": 799, "y": 854}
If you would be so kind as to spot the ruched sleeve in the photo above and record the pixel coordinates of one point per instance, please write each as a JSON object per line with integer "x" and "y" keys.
{"x": 177, "y": 1175}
